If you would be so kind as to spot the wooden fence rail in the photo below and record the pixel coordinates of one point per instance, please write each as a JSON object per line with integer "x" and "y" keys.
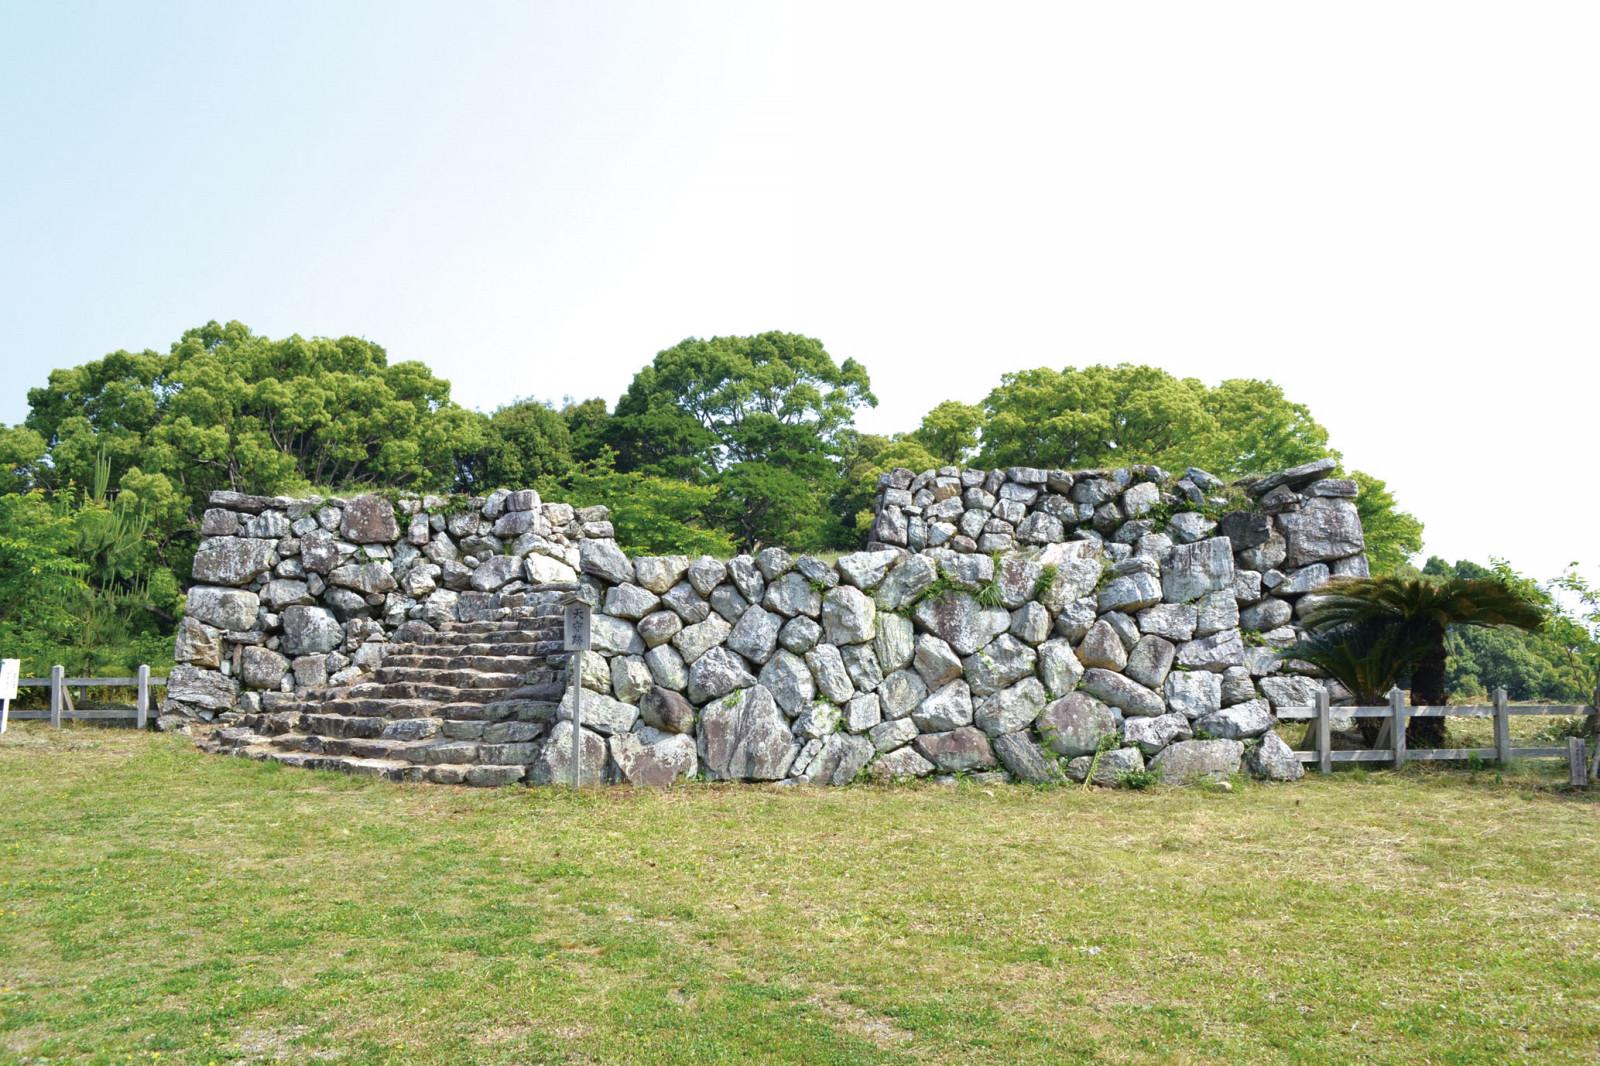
{"x": 62, "y": 705}
{"x": 1396, "y": 714}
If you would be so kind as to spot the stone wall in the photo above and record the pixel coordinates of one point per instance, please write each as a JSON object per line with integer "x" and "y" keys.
{"x": 1122, "y": 608}
{"x": 291, "y": 594}
{"x": 1124, "y": 612}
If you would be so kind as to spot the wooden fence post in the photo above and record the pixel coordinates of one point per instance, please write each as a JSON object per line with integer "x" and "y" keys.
{"x": 1397, "y": 718}
{"x": 1324, "y": 732}
{"x": 1502, "y": 727}
{"x": 1577, "y": 764}
{"x": 58, "y": 693}
{"x": 141, "y": 703}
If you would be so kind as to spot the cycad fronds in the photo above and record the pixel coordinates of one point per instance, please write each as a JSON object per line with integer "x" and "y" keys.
{"x": 1422, "y": 604}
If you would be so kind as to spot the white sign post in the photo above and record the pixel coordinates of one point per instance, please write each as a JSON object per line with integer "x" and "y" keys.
{"x": 575, "y": 639}
{"x": 9, "y": 669}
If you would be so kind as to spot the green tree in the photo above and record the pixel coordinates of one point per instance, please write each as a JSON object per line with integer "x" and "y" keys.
{"x": 42, "y": 588}
{"x": 1080, "y": 418}
{"x": 652, "y": 515}
{"x": 522, "y": 444}
{"x": 950, "y": 432}
{"x": 586, "y": 427}
{"x": 1393, "y": 536}
{"x": 227, "y": 409}
{"x": 759, "y": 417}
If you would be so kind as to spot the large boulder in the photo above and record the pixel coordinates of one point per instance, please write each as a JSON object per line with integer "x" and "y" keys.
{"x": 1004, "y": 661}
{"x": 232, "y": 560}
{"x": 601, "y": 713}
{"x": 603, "y": 559}
{"x": 377, "y": 577}
{"x": 1076, "y": 724}
{"x": 848, "y": 615}
{"x": 653, "y": 759}
{"x": 1027, "y": 761}
{"x": 791, "y": 595}
{"x": 1102, "y": 648}
{"x": 1274, "y": 760}
{"x": 755, "y": 635}
{"x": 1122, "y": 692}
{"x": 830, "y": 673}
{"x": 717, "y": 673}
{"x": 788, "y": 678}
{"x": 658, "y": 573}
{"x": 553, "y": 763}
{"x": 1323, "y": 528}
{"x": 662, "y": 708}
{"x": 948, "y": 708}
{"x": 839, "y": 758}
{"x": 1194, "y": 694}
{"x": 1059, "y": 667}
{"x": 744, "y": 736}
{"x": 956, "y": 751}
{"x": 369, "y": 520}
{"x": 899, "y": 764}
{"x": 895, "y": 642}
{"x": 1192, "y": 570}
{"x": 960, "y": 621}
{"x": 866, "y": 570}
{"x": 307, "y": 630}
{"x": 224, "y": 608}
{"x": 1150, "y": 735}
{"x": 198, "y": 644}
{"x": 1011, "y": 709}
{"x": 1109, "y": 769}
{"x": 1186, "y": 760}
{"x": 1238, "y": 722}
{"x": 262, "y": 668}
{"x": 201, "y": 688}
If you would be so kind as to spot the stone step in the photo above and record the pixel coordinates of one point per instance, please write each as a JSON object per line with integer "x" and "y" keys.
{"x": 459, "y": 678}
{"x": 507, "y": 636}
{"x": 419, "y": 690}
{"x": 532, "y": 648}
{"x": 518, "y": 664}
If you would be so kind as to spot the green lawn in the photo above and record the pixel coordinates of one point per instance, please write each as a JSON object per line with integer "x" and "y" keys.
{"x": 157, "y": 904}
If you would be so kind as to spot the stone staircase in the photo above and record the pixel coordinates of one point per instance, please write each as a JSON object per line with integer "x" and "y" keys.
{"x": 467, "y": 704}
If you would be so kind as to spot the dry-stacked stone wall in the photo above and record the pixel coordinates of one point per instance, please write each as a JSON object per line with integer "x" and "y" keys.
{"x": 1015, "y": 621}
{"x": 1040, "y": 625}
{"x": 294, "y": 594}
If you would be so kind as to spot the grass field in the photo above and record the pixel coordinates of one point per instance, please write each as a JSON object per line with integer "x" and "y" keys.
{"x": 159, "y": 905}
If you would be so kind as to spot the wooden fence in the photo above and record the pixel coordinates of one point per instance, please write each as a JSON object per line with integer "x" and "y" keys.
{"x": 1392, "y": 738}
{"x": 63, "y": 706}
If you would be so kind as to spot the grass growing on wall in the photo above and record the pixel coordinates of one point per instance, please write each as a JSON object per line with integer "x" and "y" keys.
{"x": 157, "y": 904}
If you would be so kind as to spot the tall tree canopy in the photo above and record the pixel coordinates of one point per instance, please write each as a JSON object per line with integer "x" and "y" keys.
{"x": 758, "y": 417}
{"x": 521, "y": 444}
{"x": 226, "y": 408}
{"x": 1080, "y": 418}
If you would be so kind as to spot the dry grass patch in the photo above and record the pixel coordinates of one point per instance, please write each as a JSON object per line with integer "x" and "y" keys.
{"x": 157, "y": 900}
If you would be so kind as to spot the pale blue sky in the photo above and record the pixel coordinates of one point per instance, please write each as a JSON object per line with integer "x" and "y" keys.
{"x": 1388, "y": 208}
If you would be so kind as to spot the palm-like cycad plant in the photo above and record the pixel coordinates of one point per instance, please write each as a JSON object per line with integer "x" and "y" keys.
{"x": 1374, "y": 631}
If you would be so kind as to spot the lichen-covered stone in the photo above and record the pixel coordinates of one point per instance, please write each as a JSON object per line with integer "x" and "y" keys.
{"x": 935, "y": 661}
{"x": 755, "y": 636}
{"x": 1150, "y": 661}
{"x": 232, "y": 561}
{"x": 1109, "y": 769}
{"x": 789, "y": 679}
{"x": 1075, "y": 724}
{"x": 1192, "y": 570}
{"x": 899, "y": 693}
{"x": 1150, "y": 735}
{"x": 310, "y": 629}
{"x": 894, "y": 642}
{"x": 1102, "y": 648}
{"x": 848, "y": 616}
{"x": 957, "y": 750}
{"x": 950, "y": 707}
{"x": 666, "y": 710}
{"x": 224, "y": 608}
{"x": 1274, "y": 760}
{"x": 654, "y": 760}
{"x": 1010, "y": 709}
{"x": 1121, "y": 692}
{"x": 1239, "y": 722}
{"x": 715, "y": 674}
{"x": 744, "y": 736}
{"x": 1188, "y": 760}
{"x": 1026, "y": 761}
{"x": 828, "y": 670}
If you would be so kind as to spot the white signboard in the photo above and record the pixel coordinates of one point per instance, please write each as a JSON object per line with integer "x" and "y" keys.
{"x": 9, "y": 668}
{"x": 575, "y": 627}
